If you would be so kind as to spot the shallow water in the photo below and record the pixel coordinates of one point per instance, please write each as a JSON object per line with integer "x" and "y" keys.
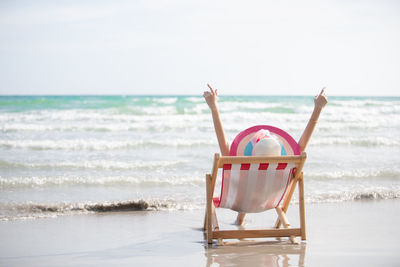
{"x": 68, "y": 154}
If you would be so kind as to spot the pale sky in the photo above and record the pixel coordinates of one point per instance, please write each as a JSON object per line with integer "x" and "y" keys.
{"x": 177, "y": 46}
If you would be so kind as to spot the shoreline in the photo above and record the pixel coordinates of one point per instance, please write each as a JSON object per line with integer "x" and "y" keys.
{"x": 358, "y": 233}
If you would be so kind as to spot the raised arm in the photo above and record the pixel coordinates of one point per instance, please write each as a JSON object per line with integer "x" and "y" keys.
{"x": 211, "y": 98}
{"x": 319, "y": 103}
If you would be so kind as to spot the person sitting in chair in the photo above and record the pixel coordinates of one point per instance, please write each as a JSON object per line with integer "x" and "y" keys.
{"x": 265, "y": 145}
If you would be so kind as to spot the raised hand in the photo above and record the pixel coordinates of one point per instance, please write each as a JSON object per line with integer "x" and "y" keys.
{"x": 321, "y": 100}
{"x": 211, "y": 97}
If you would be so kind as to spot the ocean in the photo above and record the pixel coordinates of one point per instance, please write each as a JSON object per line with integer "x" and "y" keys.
{"x": 67, "y": 155}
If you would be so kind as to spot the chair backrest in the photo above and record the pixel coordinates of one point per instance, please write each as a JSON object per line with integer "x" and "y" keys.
{"x": 254, "y": 184}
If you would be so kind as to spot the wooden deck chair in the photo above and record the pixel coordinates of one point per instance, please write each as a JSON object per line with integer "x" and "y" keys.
{"x": 257, "y": 183}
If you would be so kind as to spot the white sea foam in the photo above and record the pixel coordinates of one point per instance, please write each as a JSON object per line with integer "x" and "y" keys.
{"x": 195, "y": 99}
{"x": 355, "y": 174}
{"x": 167, "y": 100}
{"x": 119, "y": 180}
{"x": 369, "y": 141}
{"x": 372, "y": 193}
{"x": 227, "y": 107}
{"x": 96, "y": 144}
{"x": 94, "y": 164}
{"x": 80, "y": 120}
{"x": 368, "y": 103}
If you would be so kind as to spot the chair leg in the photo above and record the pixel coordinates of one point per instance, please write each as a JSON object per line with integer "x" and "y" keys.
{"x": 214, "y": 219}
{"x": 209, "y": 209}
{"x": 302, "y": 208}
{"x": 285, "y": 222}
{"x": 205, "y": 220}
{"x": 215, "y": 225}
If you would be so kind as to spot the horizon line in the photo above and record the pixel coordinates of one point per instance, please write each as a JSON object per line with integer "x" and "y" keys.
{"x": 183, "y": 95}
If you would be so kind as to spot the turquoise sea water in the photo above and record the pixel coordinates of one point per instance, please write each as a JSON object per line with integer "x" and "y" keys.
{"x": 77, "y": 154}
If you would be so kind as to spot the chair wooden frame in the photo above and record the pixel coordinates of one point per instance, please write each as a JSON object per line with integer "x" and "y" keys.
{"x": 211, "y": 228}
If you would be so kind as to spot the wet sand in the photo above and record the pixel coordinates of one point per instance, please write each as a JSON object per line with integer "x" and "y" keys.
{"x": 361, "y": 233}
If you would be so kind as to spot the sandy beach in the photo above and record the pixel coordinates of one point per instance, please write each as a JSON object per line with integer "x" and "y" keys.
{"x": 361, "y": 233}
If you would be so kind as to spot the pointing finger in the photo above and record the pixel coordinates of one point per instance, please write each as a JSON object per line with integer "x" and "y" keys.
{"x": 322, "y": 91}
{"x": 212, "y": 90}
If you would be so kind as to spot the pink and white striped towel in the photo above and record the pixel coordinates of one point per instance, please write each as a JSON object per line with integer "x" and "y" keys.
{"x": 253, "y": 187}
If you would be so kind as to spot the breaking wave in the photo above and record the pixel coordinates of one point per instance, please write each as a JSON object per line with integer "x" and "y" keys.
{"x": 392, "y": 173}
{"x": 93, "y": 165}
{"x": 343, "y": 196}
{"x": 144, "y": 181}
{"x": 31, "y": 210}
{"x": 357, "y": 141}
{"x": 101, "y": 144}
{"x": 98, "y": 144}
